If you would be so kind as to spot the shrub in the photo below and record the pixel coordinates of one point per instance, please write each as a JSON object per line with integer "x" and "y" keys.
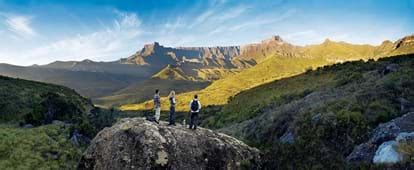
{"x": 381, "y": 110}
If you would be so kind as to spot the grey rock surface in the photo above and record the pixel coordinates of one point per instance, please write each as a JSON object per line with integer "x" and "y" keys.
{"x": 380, "y": 148}
{"x": 288, "y": 137}
{"x": 387, "y": 153}
{"x": 134, "y": 143}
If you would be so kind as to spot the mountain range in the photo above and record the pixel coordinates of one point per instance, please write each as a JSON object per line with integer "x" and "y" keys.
{"x": 277, "y": 59}
{"x": 325, "y": 106}
{"x": 208, "y": 71}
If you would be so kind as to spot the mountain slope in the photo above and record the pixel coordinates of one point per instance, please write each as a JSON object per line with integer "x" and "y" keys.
{"x": 102, "y": 67}
{"x": 283, "y": 64}
{"x": 90, "y": 84}
{"x": 22, "y": 98}
{"x": 171, "y": 73}
{"x": 142, "y": 91}
{"x": 316, "y": 119}
{"x": 45, "y": 126}
{"x": 36, "y": 103}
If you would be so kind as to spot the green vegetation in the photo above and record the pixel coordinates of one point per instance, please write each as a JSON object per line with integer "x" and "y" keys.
{"x": 18, "y": 98}
{"x": 29, "y": 102}
{"x": 329, "y": 110}
{"x": 44, "y": 147}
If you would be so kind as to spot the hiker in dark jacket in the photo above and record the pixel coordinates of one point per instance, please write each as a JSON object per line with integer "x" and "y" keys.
{"x": 157, "y": 106}
{"x": 171, "y": 117}
{"x": 195, "y": 107}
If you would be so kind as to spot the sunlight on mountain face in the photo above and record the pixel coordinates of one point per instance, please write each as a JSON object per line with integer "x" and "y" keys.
{"x": 212, "y": 84}
{"x": 277, "y": 60}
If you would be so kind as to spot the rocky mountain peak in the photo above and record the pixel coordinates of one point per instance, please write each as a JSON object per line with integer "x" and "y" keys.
{"x": 386, "y": 42}
{"x": 150, "y": 48}
{"x": 406, "y": 41}
{"x": 135, "y": 143}
{"x": 327, "y": 41}
{"x": 273, "y": 39}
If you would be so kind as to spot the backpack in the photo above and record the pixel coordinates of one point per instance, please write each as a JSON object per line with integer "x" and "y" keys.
{"x": 194, "y": 105}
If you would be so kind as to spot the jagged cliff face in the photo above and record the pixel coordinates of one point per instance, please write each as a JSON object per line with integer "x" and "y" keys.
{"x": 246, "y": 56}
{"x": 155, "y": 54}
{"x": 135, "y": 143}
{"x": 212, "y": 57}
{"x": 404, "y": 46}
{"x": 406, "y": 41}
{"x": 208, "y": 63}
{"x": 272, "y": 46}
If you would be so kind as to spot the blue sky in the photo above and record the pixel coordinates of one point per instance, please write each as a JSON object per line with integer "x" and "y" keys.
{"x": 42, "y": 31}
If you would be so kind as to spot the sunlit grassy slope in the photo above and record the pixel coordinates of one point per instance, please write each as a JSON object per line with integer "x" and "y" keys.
{"x": 328, "y": 111}
{"x": 143, "y": 91}
{"x": 218, "y": 92}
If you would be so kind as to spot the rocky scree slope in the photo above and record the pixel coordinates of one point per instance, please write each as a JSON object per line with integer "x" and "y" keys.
{"x": 135, "y": 143}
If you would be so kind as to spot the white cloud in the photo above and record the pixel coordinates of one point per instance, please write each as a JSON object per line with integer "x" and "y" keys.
{"x": 232, "y": 13}
{"x": 261, "y": 21}
{"x": 216, "y": 15}
{"x": 116, "y": 41}
{"x": 203, "y": 17}
{"x": 20, "y": 25}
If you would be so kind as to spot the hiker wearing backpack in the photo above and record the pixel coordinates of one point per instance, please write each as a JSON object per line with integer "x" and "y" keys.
{"x": 195, "y": 107}
{"x": 157, "y": 106}
{"x": 171, "y": 117}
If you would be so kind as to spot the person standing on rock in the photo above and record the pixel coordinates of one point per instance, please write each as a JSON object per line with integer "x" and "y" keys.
{"x": 171, "y": 117}
{"x": 195, "y": 107}
{"x": 157, "y": 106}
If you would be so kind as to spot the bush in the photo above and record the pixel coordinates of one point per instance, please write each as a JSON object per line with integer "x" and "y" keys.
{"x": 381, "y": 111}
{"x": 347, "y": 77}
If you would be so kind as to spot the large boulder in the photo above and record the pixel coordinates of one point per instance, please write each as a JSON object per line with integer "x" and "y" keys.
{"x": 135, "y": 143}
{"x": 381, "y": 147}
{"x": 387, "y": 153}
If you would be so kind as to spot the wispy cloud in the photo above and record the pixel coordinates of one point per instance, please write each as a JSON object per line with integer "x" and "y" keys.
{"x": 113, "y": 42}
{"x": 20, "y": 25}
{"x": 261, "y": 21}
{"x": 232, "y": 13}
{"x": 203, "y": 17}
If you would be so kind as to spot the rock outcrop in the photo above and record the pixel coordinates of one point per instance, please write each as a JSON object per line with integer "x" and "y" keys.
{"x": 382, "y": 146}
{"x": 405, "y": 41}
{"x": 134, "y": 143}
